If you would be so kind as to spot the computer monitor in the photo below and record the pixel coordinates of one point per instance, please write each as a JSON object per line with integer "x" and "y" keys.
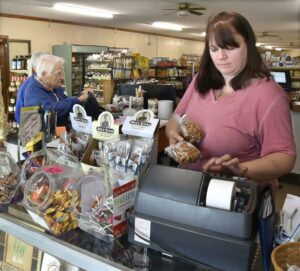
{"x": 283, "y": 78}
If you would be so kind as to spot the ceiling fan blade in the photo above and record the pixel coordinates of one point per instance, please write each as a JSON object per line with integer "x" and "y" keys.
{"x": 195, "y": 12}
{"x": 170, "y": 12}
{"x": 199, "y": 8}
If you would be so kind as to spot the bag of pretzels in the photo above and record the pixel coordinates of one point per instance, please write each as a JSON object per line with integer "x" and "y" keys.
{"x": 183, "y": 152}
{"x": 189, "y": 130}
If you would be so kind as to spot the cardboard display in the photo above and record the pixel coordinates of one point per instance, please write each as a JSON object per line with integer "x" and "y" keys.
{"x": 104, "y": 128}
{"x": 80, "y": 121}
{"x": 142, "y": 124}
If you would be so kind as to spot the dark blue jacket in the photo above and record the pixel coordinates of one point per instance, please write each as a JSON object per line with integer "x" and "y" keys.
{"x": 56, "y": 100}
{"x": 20, "y": 98}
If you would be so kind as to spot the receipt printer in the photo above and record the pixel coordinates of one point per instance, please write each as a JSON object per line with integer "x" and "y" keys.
{"x": 182, "y": 212}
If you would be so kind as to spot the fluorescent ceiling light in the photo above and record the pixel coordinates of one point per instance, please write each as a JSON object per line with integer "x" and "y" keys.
{"x": 258, "y": 44}
{"x": 269, "y": 47}
{"x": 278, "y": 49}
{"x": 82, "y": 10}
{"x": 168, "y": 26}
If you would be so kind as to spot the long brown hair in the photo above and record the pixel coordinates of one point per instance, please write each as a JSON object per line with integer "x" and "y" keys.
{"x": 222, "y": 28}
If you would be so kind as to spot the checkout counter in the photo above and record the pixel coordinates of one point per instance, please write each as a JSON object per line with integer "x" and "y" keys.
{"x": 89, "y": 253}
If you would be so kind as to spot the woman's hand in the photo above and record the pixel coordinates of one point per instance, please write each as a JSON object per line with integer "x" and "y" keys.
{"x": 172, "y": 132}
{"x": 225, "y": 164}
{"x": 84, "y": 94}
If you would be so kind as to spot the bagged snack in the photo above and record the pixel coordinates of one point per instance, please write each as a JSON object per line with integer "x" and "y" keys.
{"x": 183, "y": 152}
{"x": 190, "y": 131}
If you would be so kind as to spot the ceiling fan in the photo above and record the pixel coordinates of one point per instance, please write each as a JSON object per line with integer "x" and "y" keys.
{"x": 184, "y": 9}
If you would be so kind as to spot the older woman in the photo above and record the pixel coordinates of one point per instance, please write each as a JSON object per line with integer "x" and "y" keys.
{"x": 245, "y": 115}
{"x": 46, "y": 90}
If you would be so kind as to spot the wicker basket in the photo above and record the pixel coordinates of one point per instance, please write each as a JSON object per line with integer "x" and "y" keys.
{"x": 286, "y": 255}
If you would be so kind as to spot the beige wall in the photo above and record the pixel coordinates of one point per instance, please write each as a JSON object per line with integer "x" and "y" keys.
{"x": 43, "y": 35}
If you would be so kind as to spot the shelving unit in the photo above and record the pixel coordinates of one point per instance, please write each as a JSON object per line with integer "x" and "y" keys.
{"x": 17, "y": 78}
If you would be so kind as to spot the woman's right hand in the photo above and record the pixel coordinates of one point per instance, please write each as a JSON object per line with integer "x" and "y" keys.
{"x": 172, "y": 132}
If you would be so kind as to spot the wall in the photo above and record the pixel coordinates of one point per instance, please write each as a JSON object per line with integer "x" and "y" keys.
{"x": 45, "y": 34}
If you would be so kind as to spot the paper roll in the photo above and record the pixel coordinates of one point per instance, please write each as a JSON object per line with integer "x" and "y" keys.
{"x": 220, "y": 194}
{"x": 165, "y": 109}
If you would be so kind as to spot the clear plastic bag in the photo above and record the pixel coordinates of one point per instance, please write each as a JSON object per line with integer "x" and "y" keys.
{"x": 190, "y": 131}
{"x": 183, "y": 152}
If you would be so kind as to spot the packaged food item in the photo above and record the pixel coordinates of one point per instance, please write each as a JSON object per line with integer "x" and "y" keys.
{"x": 190, "y": 131}
{"x": 9, "y": 179}
{"x": 183, "y": 152}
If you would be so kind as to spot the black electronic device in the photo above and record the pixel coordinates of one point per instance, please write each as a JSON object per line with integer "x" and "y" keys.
{"x": 283, "y": 78}
{"x": 171, "y": 203}
{"x": 160, "y": 92}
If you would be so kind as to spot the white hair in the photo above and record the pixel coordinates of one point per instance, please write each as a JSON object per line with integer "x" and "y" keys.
{"x": 35, "y": 57}
{"x": 46, "y": 64}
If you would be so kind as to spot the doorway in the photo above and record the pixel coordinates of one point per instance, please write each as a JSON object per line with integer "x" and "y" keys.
{"x": 4, "y": 64}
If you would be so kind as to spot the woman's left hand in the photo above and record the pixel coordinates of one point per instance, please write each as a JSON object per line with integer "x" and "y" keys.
{"x": 225, "y": 164}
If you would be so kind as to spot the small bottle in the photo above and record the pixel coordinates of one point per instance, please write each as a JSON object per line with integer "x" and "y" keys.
{"x": 19, "y": 63}
{"x": 14, "y": 63}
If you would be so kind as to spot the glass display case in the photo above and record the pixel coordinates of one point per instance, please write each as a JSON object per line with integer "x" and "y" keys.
{"x": 86, "y": 252}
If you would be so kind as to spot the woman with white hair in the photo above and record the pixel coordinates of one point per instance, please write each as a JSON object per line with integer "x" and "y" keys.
{"x": 21, "y": 91}
{"x": 46, "y": 91}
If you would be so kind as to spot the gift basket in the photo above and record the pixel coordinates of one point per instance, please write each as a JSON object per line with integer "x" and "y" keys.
{"x": 9, "y": 180}
{"x": 287, "y": 257}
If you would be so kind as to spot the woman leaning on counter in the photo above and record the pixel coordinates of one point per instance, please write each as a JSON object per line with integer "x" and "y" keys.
{"x": 244, "y": 113}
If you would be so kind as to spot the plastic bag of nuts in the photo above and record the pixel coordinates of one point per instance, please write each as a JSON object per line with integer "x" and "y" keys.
{"x": 183, "y": 152}
{"x": 190, "y": 131}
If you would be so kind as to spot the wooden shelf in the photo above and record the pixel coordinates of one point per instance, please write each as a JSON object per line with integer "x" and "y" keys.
{"x": 19, "y": 71}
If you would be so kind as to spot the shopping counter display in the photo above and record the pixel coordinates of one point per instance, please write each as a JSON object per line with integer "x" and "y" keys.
{"x": 89, "y": 253}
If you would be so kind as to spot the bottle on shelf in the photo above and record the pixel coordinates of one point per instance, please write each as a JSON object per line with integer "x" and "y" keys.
{"x": 19, "y": 63}
{"x": 14, "y": 63}
{"x": 12, "y": 87}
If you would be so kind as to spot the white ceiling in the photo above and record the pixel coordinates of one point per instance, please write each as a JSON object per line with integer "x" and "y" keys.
{"x": 278, "y": 17}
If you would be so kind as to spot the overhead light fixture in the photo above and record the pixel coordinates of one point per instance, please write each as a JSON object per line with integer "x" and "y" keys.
{"x": 82, "y": 10}
{"x": 168, "y": 26}
{"x": 269, "y": 47}
{"x": 278, "y": 49}
{"x": 258, "y": 44}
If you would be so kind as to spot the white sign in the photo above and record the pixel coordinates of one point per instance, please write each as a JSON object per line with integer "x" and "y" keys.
{"x": 104, "y": 128}
{"x": 141, "y": 124}
{"x": 80, "y": 121}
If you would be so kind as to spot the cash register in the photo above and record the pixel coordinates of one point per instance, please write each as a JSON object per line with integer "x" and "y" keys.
{"x": 172, "y": 215}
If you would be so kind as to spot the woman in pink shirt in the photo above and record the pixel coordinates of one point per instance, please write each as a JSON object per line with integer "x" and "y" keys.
{"x": 244, "y": 113}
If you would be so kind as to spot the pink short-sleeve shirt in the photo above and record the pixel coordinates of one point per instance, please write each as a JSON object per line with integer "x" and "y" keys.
{"x": 248, "y": 124}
